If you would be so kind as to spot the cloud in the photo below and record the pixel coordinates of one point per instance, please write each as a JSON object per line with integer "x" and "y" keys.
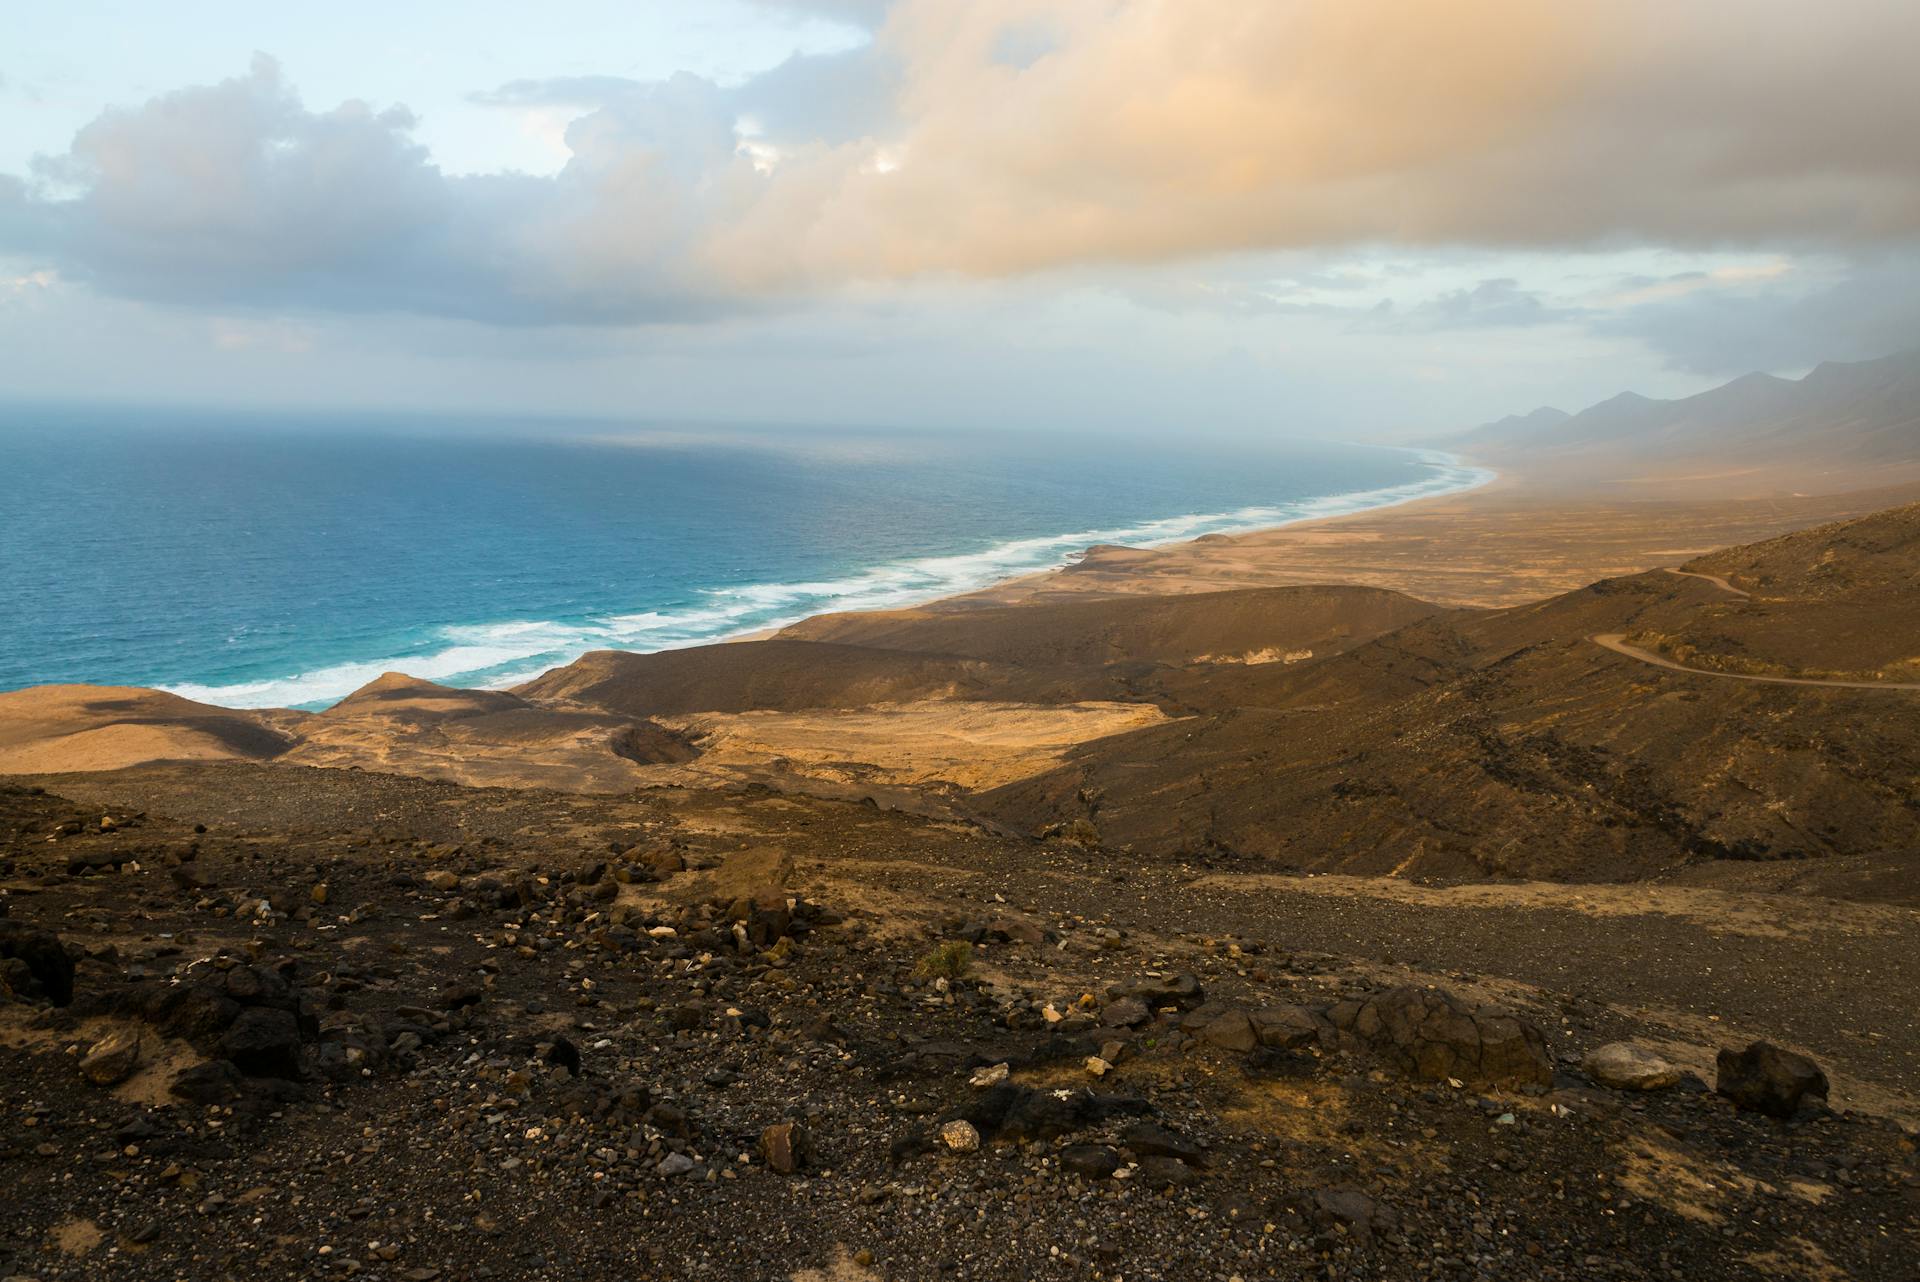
{"x": 235, "y": 194}
{"x": 1491, "y": 304}
{"x": 995, "y": 138}
{"x": 1863, "y": 306}
{"x": 860, "y": 13}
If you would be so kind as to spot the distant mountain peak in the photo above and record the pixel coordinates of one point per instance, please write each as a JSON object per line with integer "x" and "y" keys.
{"x": 1854, "y": 420}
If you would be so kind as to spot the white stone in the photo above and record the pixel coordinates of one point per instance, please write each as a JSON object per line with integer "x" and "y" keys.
{"x": 1627, "y": 1067}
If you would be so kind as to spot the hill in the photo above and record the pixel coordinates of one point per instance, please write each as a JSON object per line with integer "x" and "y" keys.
{"x": 773, "y": 675}
{"x": 1507, "y": 742}
{"x": 1263, "y": 625}
{"x": 86, "y": 727}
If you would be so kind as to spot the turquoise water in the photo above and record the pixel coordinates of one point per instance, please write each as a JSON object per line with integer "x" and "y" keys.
{"x": 285, "y": 561}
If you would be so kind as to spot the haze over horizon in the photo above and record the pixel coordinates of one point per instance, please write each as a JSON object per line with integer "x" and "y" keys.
{"x": 1381, "y": 219}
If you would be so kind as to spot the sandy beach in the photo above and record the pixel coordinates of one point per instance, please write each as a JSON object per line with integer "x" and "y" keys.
{"x": 1502, "y": 544}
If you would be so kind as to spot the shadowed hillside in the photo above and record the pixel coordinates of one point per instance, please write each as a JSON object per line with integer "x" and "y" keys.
{"x": 1509, "y": 742}
{"x": 1266, "y": 625}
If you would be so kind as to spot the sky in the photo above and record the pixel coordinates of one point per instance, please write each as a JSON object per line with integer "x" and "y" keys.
{"x": 1375, "y": 219}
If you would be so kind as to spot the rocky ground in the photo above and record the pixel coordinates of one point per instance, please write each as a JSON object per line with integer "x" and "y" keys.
{"x": 328, "y": 1023}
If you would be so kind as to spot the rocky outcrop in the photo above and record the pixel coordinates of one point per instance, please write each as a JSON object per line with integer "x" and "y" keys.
{"x": 1431, "y": 1033}
{"x": 1769, "y": 1079}
{"x": 34, "y": 964}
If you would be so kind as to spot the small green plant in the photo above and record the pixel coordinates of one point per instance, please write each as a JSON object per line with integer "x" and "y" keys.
{"x": 950, "y": 960}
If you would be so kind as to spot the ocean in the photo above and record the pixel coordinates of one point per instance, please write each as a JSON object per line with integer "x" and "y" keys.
{"x": 286, "y": 560}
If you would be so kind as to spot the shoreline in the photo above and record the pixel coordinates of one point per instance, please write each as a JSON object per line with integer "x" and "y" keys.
{"x": 1503, "y": 543}
{"x": 1495, "y": 539}
{"x": 1487, "y": 479}
{"x": 451, "y": 663}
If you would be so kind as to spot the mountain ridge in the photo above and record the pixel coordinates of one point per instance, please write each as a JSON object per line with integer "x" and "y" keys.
{"x": 1837, "y": 425}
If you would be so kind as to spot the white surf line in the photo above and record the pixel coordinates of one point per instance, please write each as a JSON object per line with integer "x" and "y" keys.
{"x": 514, "y": 651}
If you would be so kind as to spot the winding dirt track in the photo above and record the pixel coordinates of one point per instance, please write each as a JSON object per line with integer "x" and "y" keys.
{"x": 1714, "y": 579}
{"x": 1616, "y": 642}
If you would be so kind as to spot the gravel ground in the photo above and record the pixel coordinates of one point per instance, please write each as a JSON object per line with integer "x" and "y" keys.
{"x": 398, "y": 1029}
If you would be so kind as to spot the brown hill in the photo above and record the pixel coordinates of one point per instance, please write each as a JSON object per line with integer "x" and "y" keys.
{"x": 1262, "y": 625}
{"x": 1047, "y": 653}
{"x": 1507, "y": 742}
{"x": 400, "y": 697}
{"x": 1838, "y": 601}
{"x": 773, "y": 675}
{"x": 84, "y": 727}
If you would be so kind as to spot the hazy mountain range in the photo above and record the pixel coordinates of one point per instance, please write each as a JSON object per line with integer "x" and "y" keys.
{"x": 1842, "y": 424}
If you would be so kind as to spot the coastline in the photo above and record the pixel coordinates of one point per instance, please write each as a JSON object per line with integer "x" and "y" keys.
{"x": 1483, "y": 479}
{"x": 1505, "y": 542}
{"x": 1492, "y": 539}
{"x": 495, "y": 656}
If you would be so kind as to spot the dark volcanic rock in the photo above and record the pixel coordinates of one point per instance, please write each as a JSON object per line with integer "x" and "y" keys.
{"x": 1431, "y": 1033}
{"x": 264, "y": 1042}
{"x": 34, "y": 964}
{"x": 1094, "y": 1161}
{"x": 1148, "y": 1140}
{"x": 1769, "y": 1079}
{"x": 214, "y": 1082}
{"x": 1349, "y": 1208}
{"x": 1013, "y": 1111}
{"x": 1165, "y": 1173}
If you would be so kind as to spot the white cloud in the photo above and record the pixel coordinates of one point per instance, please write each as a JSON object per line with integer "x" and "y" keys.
{"x": 1125, "y": 132}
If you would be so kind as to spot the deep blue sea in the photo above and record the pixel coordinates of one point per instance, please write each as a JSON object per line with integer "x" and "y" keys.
{"x": 285, "y": 561}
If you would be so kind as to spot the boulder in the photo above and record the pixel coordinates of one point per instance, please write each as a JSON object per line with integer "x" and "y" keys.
{"x": 1287, "y": 1027}
{"x": 1013, "y": 1111}
{"x": 214, "y": 1082}
{"x": 1770, "y": 1079}
{"x": 1627, "y": 1067}
{"x": 1431, "y": 1033}
{"x": 263, "y": 1042}
{"x": 1164, "y": 1173}
{"x": 112, "y": 1059}
{"x": 1182, "y": 991}
{"x": 1013, "y": 930}
{"x": 1147, "y": 1140}
{"x": 1093, "y": 1161}
{"x": 662, "y": 863}
{"x": 1231, "y": 1031}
